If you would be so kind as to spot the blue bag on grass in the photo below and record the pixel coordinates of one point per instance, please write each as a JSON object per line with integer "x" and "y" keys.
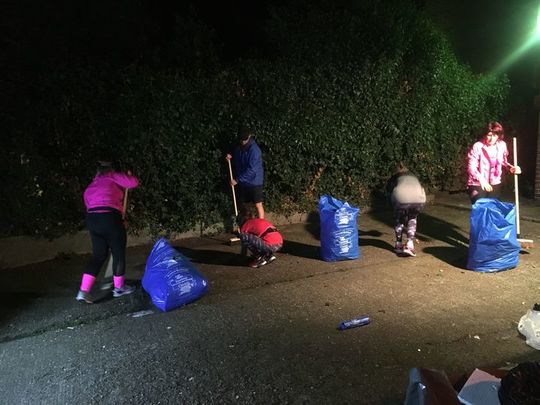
{"x": 493, "y": 244}
{"x": 339, "y": 231}
{"x": 171, "y": 279}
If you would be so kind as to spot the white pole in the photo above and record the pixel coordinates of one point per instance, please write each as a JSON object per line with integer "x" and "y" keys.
{"x": 516, "y": 189}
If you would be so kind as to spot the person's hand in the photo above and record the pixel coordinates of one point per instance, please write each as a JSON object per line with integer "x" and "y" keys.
{"x": 233, "y": 182}
{"x": 129, "y": 173}
{"x": 515, "y": 170}
{"x": 485, "y": 185}
{"x": 126, "y": 223}
{"x": 228, "y": 156}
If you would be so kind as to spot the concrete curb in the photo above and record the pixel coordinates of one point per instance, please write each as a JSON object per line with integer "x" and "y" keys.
{"x": 24, "y": 250}
{"x": 20, "y": 251}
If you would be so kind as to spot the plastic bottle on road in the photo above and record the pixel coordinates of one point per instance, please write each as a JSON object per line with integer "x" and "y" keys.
{"x": 354, "y": 323}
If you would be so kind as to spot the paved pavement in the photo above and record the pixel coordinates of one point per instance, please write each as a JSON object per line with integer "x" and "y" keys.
{"x": 529, "y": 209}
{"x": 269, "y": 335}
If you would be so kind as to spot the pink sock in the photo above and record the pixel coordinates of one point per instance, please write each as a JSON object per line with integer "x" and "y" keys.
{"x": 118, "y": 281}
{"x": 87, "y": 282}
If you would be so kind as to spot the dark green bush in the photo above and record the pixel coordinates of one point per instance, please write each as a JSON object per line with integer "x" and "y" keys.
{"x": 335, "y": 108}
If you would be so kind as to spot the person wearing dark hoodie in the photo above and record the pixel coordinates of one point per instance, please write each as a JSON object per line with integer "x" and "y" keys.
{"x": 248, "y": 171}
{"x": 407, "y": 197}
{"x": 103, "y": 199}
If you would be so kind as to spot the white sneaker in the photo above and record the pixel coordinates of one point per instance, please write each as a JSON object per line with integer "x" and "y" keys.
{"x": 270, "y": 258}
{"x": 409, "y": 249}
{"x": 84, "y": 296}
{"x": 124, "y": 290}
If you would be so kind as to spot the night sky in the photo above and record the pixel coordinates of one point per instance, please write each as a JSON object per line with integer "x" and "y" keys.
{"x": 481, "y": 31}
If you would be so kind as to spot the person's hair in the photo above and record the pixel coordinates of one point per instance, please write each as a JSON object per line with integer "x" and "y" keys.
{"x": 495, "y": 128}
{"x": 244, "y": 133}
{"x": 401, "y": 168}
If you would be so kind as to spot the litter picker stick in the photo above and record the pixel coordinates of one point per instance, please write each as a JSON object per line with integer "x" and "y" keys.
{"x": 109, "y": 271}
{"x": 525, "y": 243}
{"x": 235, "y": 225}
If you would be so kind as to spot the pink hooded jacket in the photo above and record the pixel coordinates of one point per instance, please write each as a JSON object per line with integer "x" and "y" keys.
{"x": 107, "y": 190}
{"x": 479, "y": 164}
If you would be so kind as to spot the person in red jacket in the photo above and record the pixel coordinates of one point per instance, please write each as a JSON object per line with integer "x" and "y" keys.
{"x": 103, "y": 199}
{"x": 262, "y": 238}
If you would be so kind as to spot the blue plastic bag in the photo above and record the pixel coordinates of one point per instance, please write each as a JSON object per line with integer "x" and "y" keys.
{"x": 493, "y": 244}
{"x": 171, "y": 279}
{"x": 339, "y": 231}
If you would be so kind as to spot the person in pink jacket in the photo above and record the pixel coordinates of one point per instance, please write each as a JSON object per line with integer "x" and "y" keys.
{"x": 486, "y": 160}
{"x": 103, "y": 199}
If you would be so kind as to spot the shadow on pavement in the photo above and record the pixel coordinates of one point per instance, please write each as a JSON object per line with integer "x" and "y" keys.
{"x": 215, "y": 257}
{"x": 11, "y": 303}
{"x": 301, "y": 249}
{"x": 439, "y": 229}
{"x": 313, "y": 224}
{"x": 23, "y": 287}
{"x": 428, "y": 228}
{"x": 378, "y": 243}
{"x": 453, "y": 255}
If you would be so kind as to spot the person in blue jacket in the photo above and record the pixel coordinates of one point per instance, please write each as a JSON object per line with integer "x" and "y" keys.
{"x": 248, "y": 170}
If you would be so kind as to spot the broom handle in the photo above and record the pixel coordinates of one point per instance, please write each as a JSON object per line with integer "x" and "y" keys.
{"x": 516, "y": 190}
{"x": 232, "y": 188}
{"x": 125, "y": 203}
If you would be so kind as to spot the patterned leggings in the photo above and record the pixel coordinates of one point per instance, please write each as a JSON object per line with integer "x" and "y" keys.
{"x": 405, "y": 216}
{"x": 257, "y": 246}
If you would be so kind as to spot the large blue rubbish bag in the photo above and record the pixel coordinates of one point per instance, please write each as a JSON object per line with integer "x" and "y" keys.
{"x": 171, "y": 279}
{"x": 339, "y": 231}
{"x": 493, "y": 244}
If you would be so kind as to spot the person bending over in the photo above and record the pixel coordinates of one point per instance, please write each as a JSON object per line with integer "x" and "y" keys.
{"x": 407, "y": 197}
{"x": 262, "y": 238}
{"x": 103, "y": 199}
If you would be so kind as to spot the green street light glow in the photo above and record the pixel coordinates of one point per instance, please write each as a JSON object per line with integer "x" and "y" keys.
{"x": 534, "y": 38}
{"x": 538, "y": 23}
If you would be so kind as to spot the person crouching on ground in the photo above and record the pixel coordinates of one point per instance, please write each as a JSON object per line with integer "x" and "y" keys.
{"x": 261, "y": 237}
{"x": 485, "y": 161}
{"x": 103, "y": 199}
{"x": 407, "y": 197}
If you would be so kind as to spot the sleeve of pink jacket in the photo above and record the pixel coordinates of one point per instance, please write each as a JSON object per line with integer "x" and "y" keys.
{"x": 505, "y": 162}
{"x": 473, "y": 163}
{"x": 125, "y": 180}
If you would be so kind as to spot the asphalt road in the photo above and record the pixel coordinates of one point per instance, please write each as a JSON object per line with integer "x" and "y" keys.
{"x": 269, "y": 335}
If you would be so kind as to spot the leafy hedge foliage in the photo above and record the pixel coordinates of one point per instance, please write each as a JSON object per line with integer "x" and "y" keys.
{"x": 332, "y": 118}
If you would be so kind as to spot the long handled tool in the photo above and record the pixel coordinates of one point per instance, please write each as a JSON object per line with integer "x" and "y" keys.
{"x": 107, "y": 281}
{"x": 235, "y": 222}
{"x": 525, "y": 243}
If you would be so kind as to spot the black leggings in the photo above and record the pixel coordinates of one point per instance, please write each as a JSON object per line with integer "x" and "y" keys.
{"x": 107, "y": 232}
{"x": 476, "y": 192}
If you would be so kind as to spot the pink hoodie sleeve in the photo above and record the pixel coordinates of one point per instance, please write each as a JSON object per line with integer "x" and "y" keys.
{"x": 473, "y": 164}
{"x": 125, "y": 180}
{"x": 505, "y": 162}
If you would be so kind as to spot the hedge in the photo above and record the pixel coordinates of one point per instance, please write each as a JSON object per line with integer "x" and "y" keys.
{"x": 334, "y": 121}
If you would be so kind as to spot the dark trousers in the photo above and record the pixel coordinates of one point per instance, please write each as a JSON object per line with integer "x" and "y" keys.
{"x": 107, "y": 233}
{"x": 476, "y": 192}
{"x": 257, "y": 246}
